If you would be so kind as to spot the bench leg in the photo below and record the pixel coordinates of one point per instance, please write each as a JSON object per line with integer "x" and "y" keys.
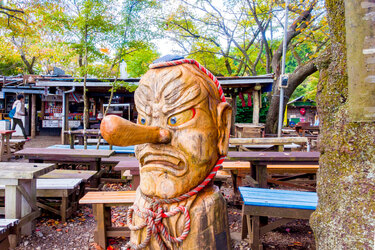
{"x": 245, "y": 227}
{"x": 255, "y": 233}
{"x": 64, "y": 208}
{"x": 135, "y": 182}
{"x": 101, "y": 215}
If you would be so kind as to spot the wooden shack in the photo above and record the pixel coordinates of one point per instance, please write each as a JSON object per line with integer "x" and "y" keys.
{"x": 303, "y": 110}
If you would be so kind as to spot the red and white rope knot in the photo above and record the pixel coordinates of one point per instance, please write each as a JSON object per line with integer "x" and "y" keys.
{"x": 155, "y": 227}
{"x": 154, "y": 214}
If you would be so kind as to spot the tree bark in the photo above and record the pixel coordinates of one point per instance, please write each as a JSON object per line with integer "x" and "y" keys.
{"x": 345, "y": 216}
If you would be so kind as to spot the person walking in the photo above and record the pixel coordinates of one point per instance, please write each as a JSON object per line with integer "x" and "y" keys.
{"x": 20, "y": 111}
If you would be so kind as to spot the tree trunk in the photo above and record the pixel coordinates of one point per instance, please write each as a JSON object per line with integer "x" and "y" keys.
{"x": 29, "y": 66}
{"x": 295, "y": 79}
{"x": 294, "y": 29}
{"x": 345, "y": 216}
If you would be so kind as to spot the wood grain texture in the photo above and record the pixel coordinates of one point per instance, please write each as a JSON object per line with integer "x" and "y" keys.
{"x": 273, "y": 141}
{"x": 23, "y": 170}
{"x": 41, "y": 152}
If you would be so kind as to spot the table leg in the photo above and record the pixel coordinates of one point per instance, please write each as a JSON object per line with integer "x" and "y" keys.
{"x": 2, "y": 148}
{"x": 12, "y": 202}
{"x": 28, "y": 204}
{"x": 95, "y": 181}
{"x": 259, "y": 173}
{"x": 71, "y": 141}
{"x": 100, "y": 235}
{"x": 13, "y": 210}
{"x": 9, "y": 154}
{"x": 234, "y": 174}
{"x": 63, "y": 208}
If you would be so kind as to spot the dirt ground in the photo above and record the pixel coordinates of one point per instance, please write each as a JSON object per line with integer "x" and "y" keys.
{"x": 77, "y": 233}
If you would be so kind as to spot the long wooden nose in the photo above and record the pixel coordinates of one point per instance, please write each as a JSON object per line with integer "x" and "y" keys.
{"x": 121, "y": 132}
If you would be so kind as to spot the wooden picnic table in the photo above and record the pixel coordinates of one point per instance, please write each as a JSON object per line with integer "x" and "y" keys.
{"x": 130, "y": 169}
{"x": 275, "y": 141}
{"x": 85, "y": 175}
{"x": 19, "y": 181}
{"x": 5, "y": 152}
{"x": 260, "y": 160}
{"x": 91, "y": 157}
{"x": 80, "y": 133}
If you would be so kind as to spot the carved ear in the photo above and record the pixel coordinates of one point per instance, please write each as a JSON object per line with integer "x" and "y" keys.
{"x": 224, "y": 114}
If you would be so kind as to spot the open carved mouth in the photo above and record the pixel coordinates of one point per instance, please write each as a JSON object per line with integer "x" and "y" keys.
{"x": 163, "y": 163}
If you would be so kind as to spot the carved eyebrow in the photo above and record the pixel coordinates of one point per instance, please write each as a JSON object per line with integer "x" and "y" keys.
{"x": 176, "y": 96}
{"x": 142, "y": 98}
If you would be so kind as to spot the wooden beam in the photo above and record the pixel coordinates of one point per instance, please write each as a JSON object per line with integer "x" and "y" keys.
{"x": 274, "y": 225}
{"x": 255, "y": 106}
{"x": 33, "y": 115}
{"x": 234, "y": 112}
{"x": 270, "y": 140}
{"x": 64, "y": 137}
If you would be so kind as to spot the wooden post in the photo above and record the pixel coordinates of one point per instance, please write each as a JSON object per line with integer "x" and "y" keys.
{"x": 65, "y": 126}
{"x": 234, "y": 113}
{"x": 33, "y": 115}
{"x": 94, "y": 108}
{"x": 43, "y": 109}
{"x": 101, "y": 102}
{"x": 255, "y": 106}
{"x": 87, "y": 112}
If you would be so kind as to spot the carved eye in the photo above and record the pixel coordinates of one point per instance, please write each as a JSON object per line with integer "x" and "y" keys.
{"x": 181, "y": 118}
{"x": 142, "y": 120}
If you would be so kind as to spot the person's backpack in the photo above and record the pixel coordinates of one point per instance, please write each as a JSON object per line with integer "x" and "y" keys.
{"x": 12, "y": 112}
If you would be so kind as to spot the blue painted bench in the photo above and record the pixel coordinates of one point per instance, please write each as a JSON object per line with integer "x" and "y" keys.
{"x": 117, "y": 149}
{"x": 261, "y": 203}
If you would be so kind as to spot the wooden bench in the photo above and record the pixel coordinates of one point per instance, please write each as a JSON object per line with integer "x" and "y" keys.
{"x": 261, "y": 203}
{"x": 129, "y": 170}
{"x": 279, "y": 169}
{"x": 5, "y": 152}
{"x": 278, "y": 141}
{"x": 91, "y": 141}
{"x": 85, "y": 175}
{"x": 92, "y": 158}
{"x": 114, "y": 160}
{"x": 66, "y": 190}
{"x": 297, "y": 176}
{"x": 102, "y": 203}
{"x": 7, "y": 228}
{"x": 16, "y": 144}
{"x": 129, "y": 150}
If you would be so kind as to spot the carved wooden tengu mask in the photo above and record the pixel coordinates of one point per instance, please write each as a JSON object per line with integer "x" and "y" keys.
{"x": 183, "y": 127}
{"x": 182, "y": 134}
